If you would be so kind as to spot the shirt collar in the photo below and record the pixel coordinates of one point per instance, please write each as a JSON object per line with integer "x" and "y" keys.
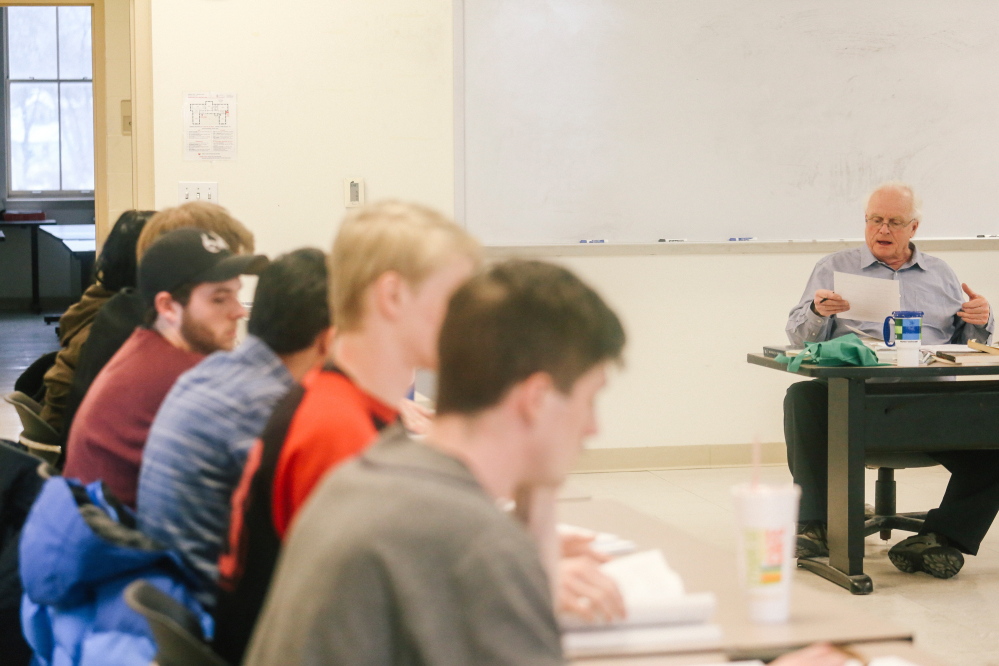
{"x": 256, "y": 352}
{"x": 868, "y": 259}
{"x": 397, "y": 451}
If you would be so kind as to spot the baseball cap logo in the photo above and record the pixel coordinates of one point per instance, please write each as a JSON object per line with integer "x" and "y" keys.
{"x": 213, "y": 243}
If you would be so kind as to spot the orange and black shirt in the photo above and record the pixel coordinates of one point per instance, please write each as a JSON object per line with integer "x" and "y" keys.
{"x": 313, "y": 429}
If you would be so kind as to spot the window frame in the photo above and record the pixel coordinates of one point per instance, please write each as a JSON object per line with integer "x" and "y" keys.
{"x": 13, "y": 195}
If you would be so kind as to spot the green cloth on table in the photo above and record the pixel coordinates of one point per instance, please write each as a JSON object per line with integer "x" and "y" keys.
{"x": 844, "y": 350}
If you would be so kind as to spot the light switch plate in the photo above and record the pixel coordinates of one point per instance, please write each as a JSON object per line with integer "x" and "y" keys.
{"x": 189, "y": 191}
{"x": 353, "y": 192}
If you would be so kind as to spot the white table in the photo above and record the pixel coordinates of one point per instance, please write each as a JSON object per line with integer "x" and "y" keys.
{"x": 814, "y": 617}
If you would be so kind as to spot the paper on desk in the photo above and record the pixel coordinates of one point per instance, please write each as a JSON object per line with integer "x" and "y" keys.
{"x": 870, "y": 299}
{"x": 639, "y": 640}
{"x": 653, "y": 594}
{"x": 864, "y": 336}
{"x": 603, "y": 542}
{"x": 950, "y": 349}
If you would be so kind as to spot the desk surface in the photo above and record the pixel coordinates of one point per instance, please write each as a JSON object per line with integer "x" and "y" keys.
{"x": 814, "y": 617}
{"x": 25, "y": 223}
{"x": 904, "y": 649}
{"x": 78, "y": 238}
{"x": 72, "y": 231}
{"x": 871, "y": 371}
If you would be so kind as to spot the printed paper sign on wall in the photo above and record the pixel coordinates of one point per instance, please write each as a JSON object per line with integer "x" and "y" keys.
{"x": 209, "y": 126}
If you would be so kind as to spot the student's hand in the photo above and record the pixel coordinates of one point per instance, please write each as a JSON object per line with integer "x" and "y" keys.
{"x": 827, "y": 303}
{"x": 976, "y": 310}
{"x": 415, "y": 418}
{"x": 587, "y": 592}
{"x": 573, "y": 544}
{"x": 821, "y": 654}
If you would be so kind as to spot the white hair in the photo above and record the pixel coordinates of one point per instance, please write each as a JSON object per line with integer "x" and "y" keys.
{"x": 917, "y": 203}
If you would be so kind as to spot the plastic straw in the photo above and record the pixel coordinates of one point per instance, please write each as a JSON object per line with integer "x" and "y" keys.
{"x": 757, "y": 457}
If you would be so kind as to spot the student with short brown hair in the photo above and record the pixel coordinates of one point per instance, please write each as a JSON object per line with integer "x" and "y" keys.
{"x": 403, "y": 555}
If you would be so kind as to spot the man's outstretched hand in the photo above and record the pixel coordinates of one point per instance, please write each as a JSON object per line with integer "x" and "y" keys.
{"x": 976, "y": 310}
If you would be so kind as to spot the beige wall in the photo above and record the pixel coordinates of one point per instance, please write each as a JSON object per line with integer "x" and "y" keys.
{"x": 326, "y": 90}
{"x": 335, "y": 89}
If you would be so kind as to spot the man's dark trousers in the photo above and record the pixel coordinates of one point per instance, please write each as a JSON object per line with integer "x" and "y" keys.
{"x": 971, "y": 500}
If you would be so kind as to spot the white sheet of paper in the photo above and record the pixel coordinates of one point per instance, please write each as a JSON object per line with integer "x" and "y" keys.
{"x": 638, "y": 640}
{"x": 890, "y": 661}
{"x": 951, "y": 349}
{"x": 871, "y": 299}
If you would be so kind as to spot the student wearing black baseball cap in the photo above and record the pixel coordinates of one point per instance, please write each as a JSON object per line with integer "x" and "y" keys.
{"x": 182, "y": 263}
{"x": 189, "y": 280}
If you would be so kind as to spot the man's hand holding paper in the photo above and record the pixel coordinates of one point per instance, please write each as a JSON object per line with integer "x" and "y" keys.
{"x": 828, "y": 303}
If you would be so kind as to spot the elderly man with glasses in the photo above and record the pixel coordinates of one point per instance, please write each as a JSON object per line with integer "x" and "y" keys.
{"x": 953, "y": 312}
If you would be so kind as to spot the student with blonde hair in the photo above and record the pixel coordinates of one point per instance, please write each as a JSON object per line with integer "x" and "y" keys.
{"x": 392, "y": 270}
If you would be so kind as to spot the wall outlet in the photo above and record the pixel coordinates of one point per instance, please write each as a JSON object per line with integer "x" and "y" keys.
{"x": 353, "y": 192}
{"x": 208, "y": 192}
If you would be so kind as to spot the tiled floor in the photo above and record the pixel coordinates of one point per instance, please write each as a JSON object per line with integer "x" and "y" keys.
{"x": 956, "y": 619}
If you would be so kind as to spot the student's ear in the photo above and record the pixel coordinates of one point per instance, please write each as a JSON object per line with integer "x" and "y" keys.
{"x": 168, "y": 309}
{"x": 531, "y": 396}
{"x": 323, "y": 341}
{"x": 386, "y": 293}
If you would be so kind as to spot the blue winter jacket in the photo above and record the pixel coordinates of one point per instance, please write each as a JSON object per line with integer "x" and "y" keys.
{"x": 79, "y": 550}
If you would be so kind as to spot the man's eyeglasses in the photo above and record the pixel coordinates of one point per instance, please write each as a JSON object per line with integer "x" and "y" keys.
{"x": 893, "y": 222}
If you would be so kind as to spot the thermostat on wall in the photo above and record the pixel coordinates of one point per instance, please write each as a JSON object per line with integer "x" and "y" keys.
{"x": 353, "y": 192}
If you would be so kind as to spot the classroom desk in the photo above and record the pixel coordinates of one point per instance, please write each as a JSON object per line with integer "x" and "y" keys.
{"x": 914, "y": 413}
{"x": 904, "y": 649}
{"x": 81, "y": 241}
{"x": 814, "y": 617}
{"x": 32, "y": 226}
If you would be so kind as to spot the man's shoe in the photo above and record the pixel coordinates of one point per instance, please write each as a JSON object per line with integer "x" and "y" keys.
{"x": 931, "y": 553}
{"x": 812, "y": 540}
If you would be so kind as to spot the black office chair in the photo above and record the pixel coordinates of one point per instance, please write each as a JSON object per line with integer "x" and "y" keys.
{"x": 179, "y": 641}
{"x": 886, "y": 517}
{"x": 32, "y": 381}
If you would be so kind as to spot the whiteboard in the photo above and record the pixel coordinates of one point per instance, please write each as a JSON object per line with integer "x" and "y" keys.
{"x": 631, "y": 121}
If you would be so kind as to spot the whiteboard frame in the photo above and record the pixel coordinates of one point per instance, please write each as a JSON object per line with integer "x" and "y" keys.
{"x": 724, "y": 247}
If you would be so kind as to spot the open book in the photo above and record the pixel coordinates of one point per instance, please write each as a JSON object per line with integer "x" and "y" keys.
{"x": 660, "y": 612}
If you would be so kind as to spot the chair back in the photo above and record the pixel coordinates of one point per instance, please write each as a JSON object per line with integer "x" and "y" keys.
{"x": 38, "y": 436}
{"x": 21, "y": 398}
{"x": 179, "y": 641}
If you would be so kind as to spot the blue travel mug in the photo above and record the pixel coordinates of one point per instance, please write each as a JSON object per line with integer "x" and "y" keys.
{"x": 908, "y": 326}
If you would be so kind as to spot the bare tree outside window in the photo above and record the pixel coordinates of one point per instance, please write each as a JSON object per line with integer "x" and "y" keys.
{"x": 49, "y": 78}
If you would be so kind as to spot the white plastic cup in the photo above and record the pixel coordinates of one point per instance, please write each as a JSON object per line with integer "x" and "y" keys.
{"x": 766, "y": 519}
{"x": 908, "y": 353}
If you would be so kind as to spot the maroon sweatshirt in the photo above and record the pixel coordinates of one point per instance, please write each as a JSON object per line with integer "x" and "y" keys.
{"x": 111, "y": 426}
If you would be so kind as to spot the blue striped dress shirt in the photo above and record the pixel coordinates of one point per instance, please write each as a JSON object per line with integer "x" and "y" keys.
{"x": 197, "y": 447}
